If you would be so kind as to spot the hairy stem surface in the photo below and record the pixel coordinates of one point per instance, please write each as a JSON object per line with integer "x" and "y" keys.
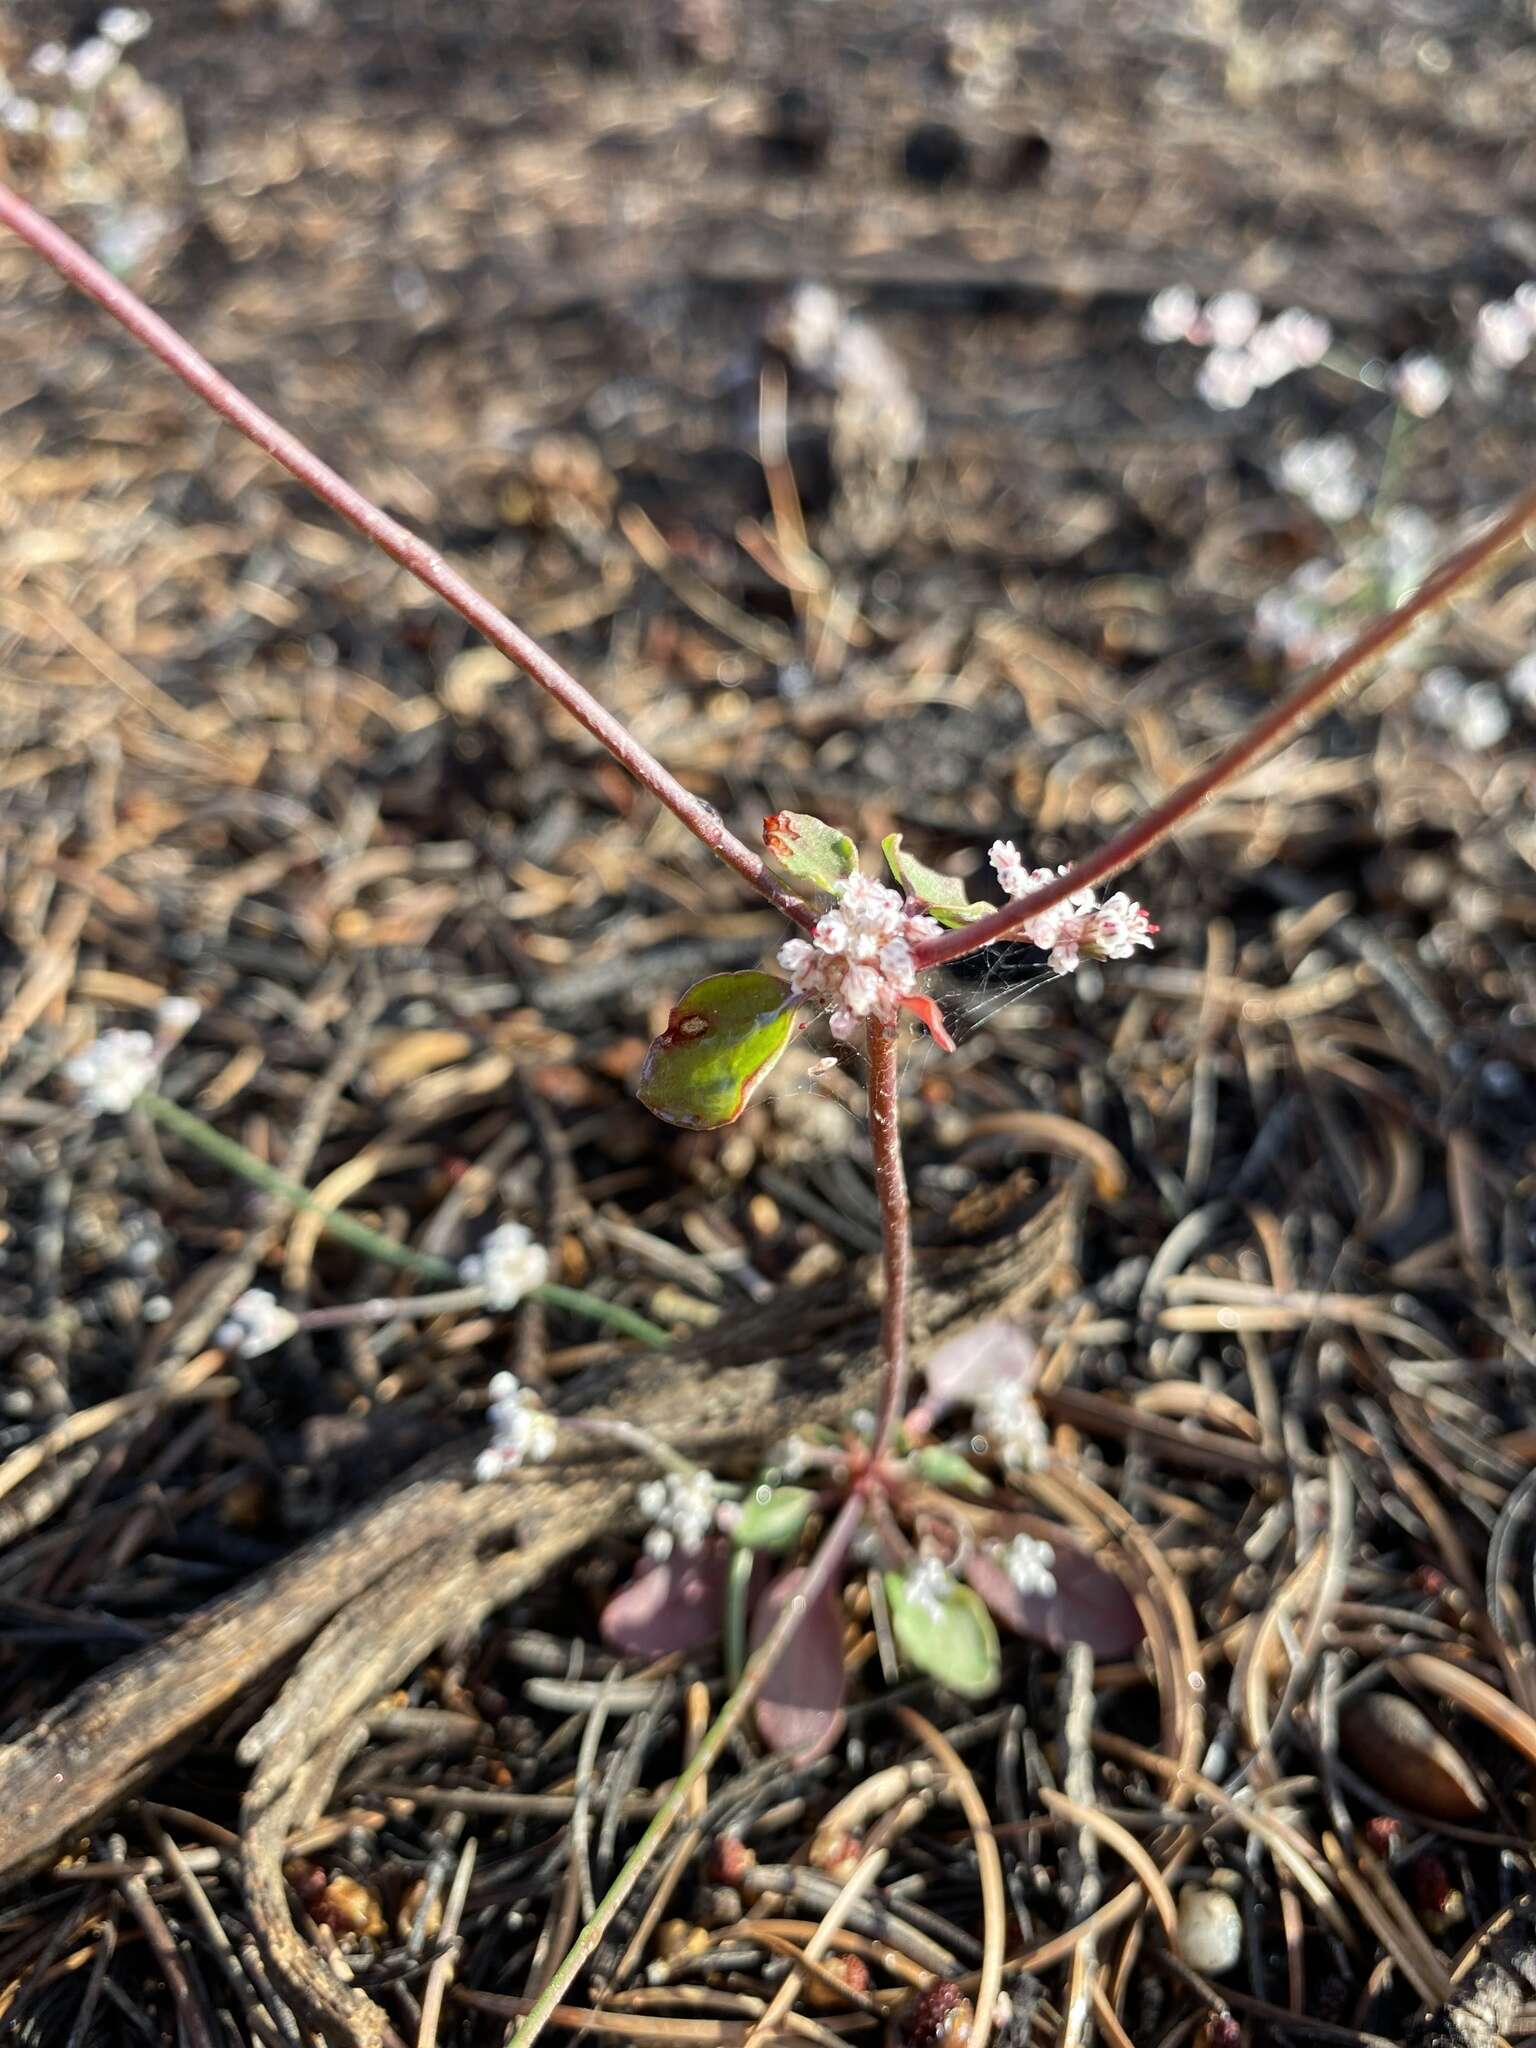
{"x": 407, "y": 548}
{"x": 895, "y": 1231}
{"x": 820, "y": 1575}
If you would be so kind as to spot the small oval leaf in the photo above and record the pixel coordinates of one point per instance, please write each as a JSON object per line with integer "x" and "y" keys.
{"x": 723, "y": 1037}
{"x": 670, "y": 1607}
{"x": 942, "y": 896}
{"x": 955, "y": 1643}
{"x": 772, "y": 1517}
{"x": 808, "y": 854}
{"x": 951, "y": 1469}
{"x": 1088, "y": 1606}
{"x": 800, "y": 1708}
{"x": 994, "y": 1353}
{"x": 928, "y": 1014}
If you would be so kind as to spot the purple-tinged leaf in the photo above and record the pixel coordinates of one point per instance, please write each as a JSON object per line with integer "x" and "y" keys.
{"x": 669, "y": 1607}
{"x": 986, "y": 1355}
{"x": 800, "y": 1708}
{"x": 1089, "y": 1605}
{"x": 725, "y": 1034}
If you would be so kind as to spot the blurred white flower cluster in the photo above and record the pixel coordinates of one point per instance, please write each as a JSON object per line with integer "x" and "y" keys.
{"x": 508, "y": 1265}
{"x": 681, "y": 1512}
{"x": 1245, "y": 352}
{"x": 81, "y": 69}
{"x": 1009, "y": 1420}
{"x": 521, "y": 1432}
{"x": 1326, "y": 475}
{"x": 257, "y": 1322}
{"x": 928, "y": 1585}
{"x": 1030, "y": 1564}
{"x": 1503, "y": 334}
{"x": 1475, "y": 714}
{"x": 1079, "y": 927}
{"x": 1316, "y": 612}
{"x": 113, "y": 1071}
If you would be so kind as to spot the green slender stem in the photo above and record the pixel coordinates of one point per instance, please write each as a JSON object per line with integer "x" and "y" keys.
{"x": 823, "y": 1569}
{"x": 1399, "y": 437}
{"x": 600, "y": 1311}
{"x": 338, "y": 1224}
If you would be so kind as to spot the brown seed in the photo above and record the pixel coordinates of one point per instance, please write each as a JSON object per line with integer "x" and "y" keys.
{"x": 1397, "y": 1748}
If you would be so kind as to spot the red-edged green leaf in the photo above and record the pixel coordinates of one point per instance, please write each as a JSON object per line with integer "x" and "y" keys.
{"x": 726, "y": 1033}
{"x": 943, "y": 896}
{"x": 814, "y": 858}
{"x": 1088, "y": 1606}
{"x": 941, "y": 1466}
{"x": 800, "y": 1708}
{"x": 957, "y": 1645}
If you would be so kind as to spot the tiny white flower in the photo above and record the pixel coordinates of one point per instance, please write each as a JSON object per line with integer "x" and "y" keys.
{"x": 20, "y": 117}
{"x": 1226, "y": 379}
{"x": 521, "y": 1431}
{"x": 113, "y": 1071}
{"x": 928, "y": 1586}
{"x": 1029, "y": 1564}
{"x": 257, "y": 1323}
{"x": 682, "y": 1512}
{"x": 1503, "y": 333}
{"x": 1440, "y": 696}
{"x": 1422, "y": 384}
{"x": 91, "y": 63}
{"x": 1078, "y": 927}
{"x": 67, "y": 124}
{"x": 177, "y": 1013}
{"x": 1482, "y": 719}
{"x": 124, "y": 25}
{"x": 1521, "y": 681}
{"x": 1170, "y": 314}
{"x": 1305, "y": 336}
{"x": 1013, "y": 1427}
{"x": 508, "y": 1265}
{"x": 1231, "y": 318}
{"x": 48, "y": 60}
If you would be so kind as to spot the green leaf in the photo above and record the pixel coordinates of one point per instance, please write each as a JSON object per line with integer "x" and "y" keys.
{"x": 725, "y": 1034}
{"x": 807, "y": 854}
{"x": 957, "y": 1645}
{"x": 942, "y": 895}
{"x": 772, "y": 1517}
{"x": 950, "y": 1469}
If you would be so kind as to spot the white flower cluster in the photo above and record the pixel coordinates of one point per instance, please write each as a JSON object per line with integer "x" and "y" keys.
{"x": 1246, "y": 352}
{"x": 521, "y": 1432}
{"x": 1029, "y": 1563}
{"x": 1521, "y": 682}
{"x": 82, "y": 70}
{"x": 1079, "y": 927}
{"x": 820, "y": 336}
{"x": 928, "y": 1585}
{"x": 508, "y": 1265}
{"x": 1306, "y": 618}
{"x": 1325, "y": 474}
{"x": 257, "y": 1322}
{"x": 858, "y": 960}
{"x": 681, "y": 1513}
{"x": 113, "y": 1071}
{"x": 1011, "y": 1427}
{"x": 1474, "y": 714}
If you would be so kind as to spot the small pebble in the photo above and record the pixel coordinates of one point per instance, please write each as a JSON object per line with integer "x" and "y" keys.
{"x": 1210, "y": 1930}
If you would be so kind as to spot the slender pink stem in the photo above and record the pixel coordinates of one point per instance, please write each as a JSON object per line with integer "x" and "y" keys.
{"x": 895, "y": 1231}
{"x": 407, "y": 548}
{"x": 1288, "y": 717}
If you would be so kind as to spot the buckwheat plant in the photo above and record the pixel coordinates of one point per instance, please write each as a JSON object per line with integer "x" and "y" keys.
{"x": 927, "y": 1495}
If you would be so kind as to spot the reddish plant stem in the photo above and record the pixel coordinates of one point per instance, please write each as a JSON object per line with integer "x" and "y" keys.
{"x": 1288, "y": 717}
{"x": 407, "y": 548}
{"x": 895, "y": 1232}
